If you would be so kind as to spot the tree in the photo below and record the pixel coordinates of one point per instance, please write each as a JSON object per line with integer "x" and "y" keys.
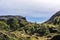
{"x": 23, "y": 23}
{"x": 43, "y": 30}
{"x": 29, "y": 29}
{"x": 14, "y": 25}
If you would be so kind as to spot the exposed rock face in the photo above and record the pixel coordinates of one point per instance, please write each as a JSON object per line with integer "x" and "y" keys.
{"x": 51, "y": 20}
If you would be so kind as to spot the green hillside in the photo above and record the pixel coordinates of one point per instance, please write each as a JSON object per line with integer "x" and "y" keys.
{"x": 18, "y": 28}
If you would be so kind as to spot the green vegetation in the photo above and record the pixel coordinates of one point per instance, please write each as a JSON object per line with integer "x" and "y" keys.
{"x": 20, "y": 29}
{"x": 3, "y": 25}
{"x": 57, "y": 20}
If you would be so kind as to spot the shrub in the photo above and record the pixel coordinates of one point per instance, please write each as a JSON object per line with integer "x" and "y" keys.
{"x": 3, "y": 25}
{"x": 57, "y": 20}
{"x": 14, "y": 25}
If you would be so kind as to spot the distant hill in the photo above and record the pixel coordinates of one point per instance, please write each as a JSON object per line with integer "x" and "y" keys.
{"x": 51, "y": 20}
{"x": 11, "y": 17}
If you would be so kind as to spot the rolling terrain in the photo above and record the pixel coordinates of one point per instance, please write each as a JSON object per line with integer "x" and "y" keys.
{"x": 18, "y": 28}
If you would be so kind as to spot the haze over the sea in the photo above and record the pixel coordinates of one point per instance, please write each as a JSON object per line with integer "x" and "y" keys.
{"x": 34, "y": 10}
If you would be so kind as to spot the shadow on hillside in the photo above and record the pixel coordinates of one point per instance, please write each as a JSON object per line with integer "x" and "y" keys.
{"x": 57, "y": 37}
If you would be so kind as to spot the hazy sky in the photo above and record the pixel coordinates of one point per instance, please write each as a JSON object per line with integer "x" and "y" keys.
{"x": 33, "y": 10}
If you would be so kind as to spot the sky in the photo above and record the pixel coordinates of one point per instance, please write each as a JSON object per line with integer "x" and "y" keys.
{"x": 34, "y": 10}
